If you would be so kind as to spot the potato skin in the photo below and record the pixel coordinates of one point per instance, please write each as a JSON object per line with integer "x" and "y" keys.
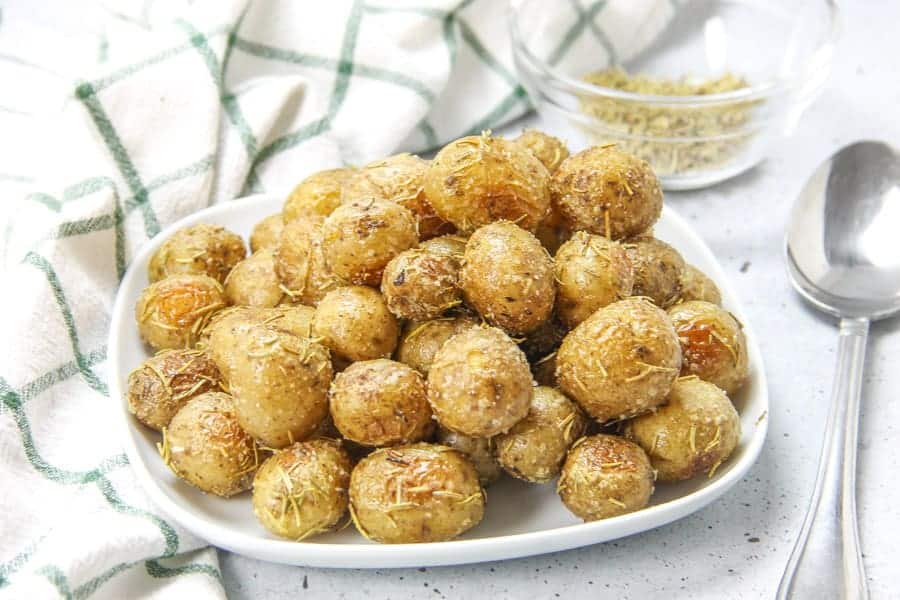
{"x": 317, "y": 195}
{"x": 360, "y": 237}
{"x": 713, "y": 344}
{"x": 479, "y": 384}
{"x": 535, "y": 448}
{"x": 381, "y": 402}
{"x": 416, "y": 493}
{"x": 602, "y": 187}
{"x": 551, "y": 151}
{"x": 696, "y": 285}
{"x": 253, "y": 281}
{"x": 621, "y": 361}
{"x": 267, "y": 233}
{"x": 421, "y": 341}
{"x": 477, "y": 180}
{"x": 197, "y": 250}
{"x": 479, "y": 451}
{"x": 205, "y": 445}
{"x": 693, "y": 433}
{"x": 300, "y": 262}
{"x": 172, "y": 312}
{"x": 421, "y": 285}
{"x": 657, "y": 269}
{"x": 279, "y": 382}
{"x": 167, "y": 381}
{"x": 605, "y": 476}
{"x": 290, "y": 318}
{"x": 507, "y": 276}
{"x": 591, "y": 272}
{"x": 302, "y": 490}
{"x": 446, "y": 245}
{"x": 354, "y": 323}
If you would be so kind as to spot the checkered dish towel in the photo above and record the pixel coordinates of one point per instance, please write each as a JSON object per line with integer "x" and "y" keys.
{"x": 144, "y": 112}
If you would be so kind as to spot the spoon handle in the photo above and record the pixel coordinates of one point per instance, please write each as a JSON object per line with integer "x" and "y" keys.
{"x": 826, "y": 561}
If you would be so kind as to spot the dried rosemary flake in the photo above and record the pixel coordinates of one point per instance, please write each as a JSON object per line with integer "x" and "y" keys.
{"x": 618, "y": 503}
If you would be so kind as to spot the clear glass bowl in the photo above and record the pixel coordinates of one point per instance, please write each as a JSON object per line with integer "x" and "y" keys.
{"x": 782, "y": 51}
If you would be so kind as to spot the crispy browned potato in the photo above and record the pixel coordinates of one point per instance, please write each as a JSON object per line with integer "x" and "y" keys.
{"x": 621, "y": 361}
{"x": 605, "y": 476}
{"x": 401, "y": 179}
{"x": 479, "y": 384}
{"x": 713, "y": 344}
{"x": 606, "y": 191}
{"x": 421, "y": 340}
{"x": 253, "y": 281}
{"x": 302, "y": 490}
{"x": 205, "y": 445}
{"x": 417, "y": 493}
{"x": 360, "y": 237}
{"x": 172, "y": 312}
{"x": 421, "y": 285}
{"x": 696, "y": 285}
{"x": 319, "y": 194}
{"x": 551, "y": 151}
{"x": 693, "y": 433}
{"x": 479, "y": 451}
{"x": 267, "y": 233}
{"x": 381, "y": 403}
{"x": 165, "y": 382}
{"x": 507, "y": 276}
{"x": 477, "y": 180}
{"x": 354, "y": 323}
{"x": 197, "y": 250}
{"x": 535, "y": 448}
{"x": 279, "y": 381}
{"x": 591, "y": 272}
{"x": 657, "y": 269}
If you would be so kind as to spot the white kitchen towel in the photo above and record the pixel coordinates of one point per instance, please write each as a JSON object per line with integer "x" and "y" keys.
{"x": 117, "y": 119}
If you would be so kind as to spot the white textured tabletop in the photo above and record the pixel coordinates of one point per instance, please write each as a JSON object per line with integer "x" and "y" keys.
{"x": 737, "y": 547}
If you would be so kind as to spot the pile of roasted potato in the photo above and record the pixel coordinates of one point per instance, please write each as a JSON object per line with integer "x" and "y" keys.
{"x": 404, "y": 333}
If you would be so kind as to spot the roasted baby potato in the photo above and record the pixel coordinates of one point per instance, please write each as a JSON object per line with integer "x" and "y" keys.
{"x": 657, "y": 270}
{"x": 416, "y": 493}
{"x": 300, "y": 263}
{"x": 418, "y": 284}
{"x": 551, "y": 151}
{"x": 253, "y": 281}
{"x": 479, "y": 451}
{"x": 355, "y": 324}
{"x": 197, "y": 250}
{"x": 695, "y": 285}
{"x": 172, "y": 312}
{"x": 317, "y": 195}
{"x": 267, "y": 233}
{"x": 421, "y": 340}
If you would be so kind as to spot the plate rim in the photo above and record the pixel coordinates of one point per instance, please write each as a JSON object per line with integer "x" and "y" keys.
{"x": 319, "y": 554}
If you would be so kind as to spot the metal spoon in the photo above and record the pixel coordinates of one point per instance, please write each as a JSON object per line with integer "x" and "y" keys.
{"x": 843, "y": 254}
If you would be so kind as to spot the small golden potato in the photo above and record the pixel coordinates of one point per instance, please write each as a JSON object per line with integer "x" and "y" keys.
{"x": 381, "y": 403}
{"x": 421, "y": 285}
{"x": 253, "y": 281}
{"x": 205, "y": 445}
{"x": 318, "y": 195}
{"x": 303, "y": 490}
{"x": 300, "y": 262}
{"x": 360, "y": 238}
{"x": 695, "y": 285}
{"x": 535, "y": 448}
{"x": 479, "y": 384}
{"x": 606, "y": 191}
{"x": 479, "y": 451}
{"x": 354, "y": 323}
{"x": 591, "y": 272}
{"x": 279, "y": 382}
{"x": 446, "y": 245}
{"x": 712, "y": 343}
{"x": 165, "y": 382}
{"x": 413, "y": 494}
{"x": 551, "y": 151}
{"x": 290, "y": 318}
{"x": 421, "y": 340}
{"x": 605, "y": 476}
{"x": 477, "y": 180}
{"x": 657, "y": 270}
{"x": 267, "y": 233}
{"x": 172, "y": 312}
{"x": 693, "y": 433}
{"x": 621, "y": 361}
{"x": 197, "y": 250}
{"x": 507, "y": 276}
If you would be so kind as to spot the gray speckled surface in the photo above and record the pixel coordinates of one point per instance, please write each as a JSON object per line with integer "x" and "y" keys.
{"x": 735, "y": 548}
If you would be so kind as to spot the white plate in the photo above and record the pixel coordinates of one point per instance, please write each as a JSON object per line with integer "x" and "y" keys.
{"x": 521, "y": 519}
